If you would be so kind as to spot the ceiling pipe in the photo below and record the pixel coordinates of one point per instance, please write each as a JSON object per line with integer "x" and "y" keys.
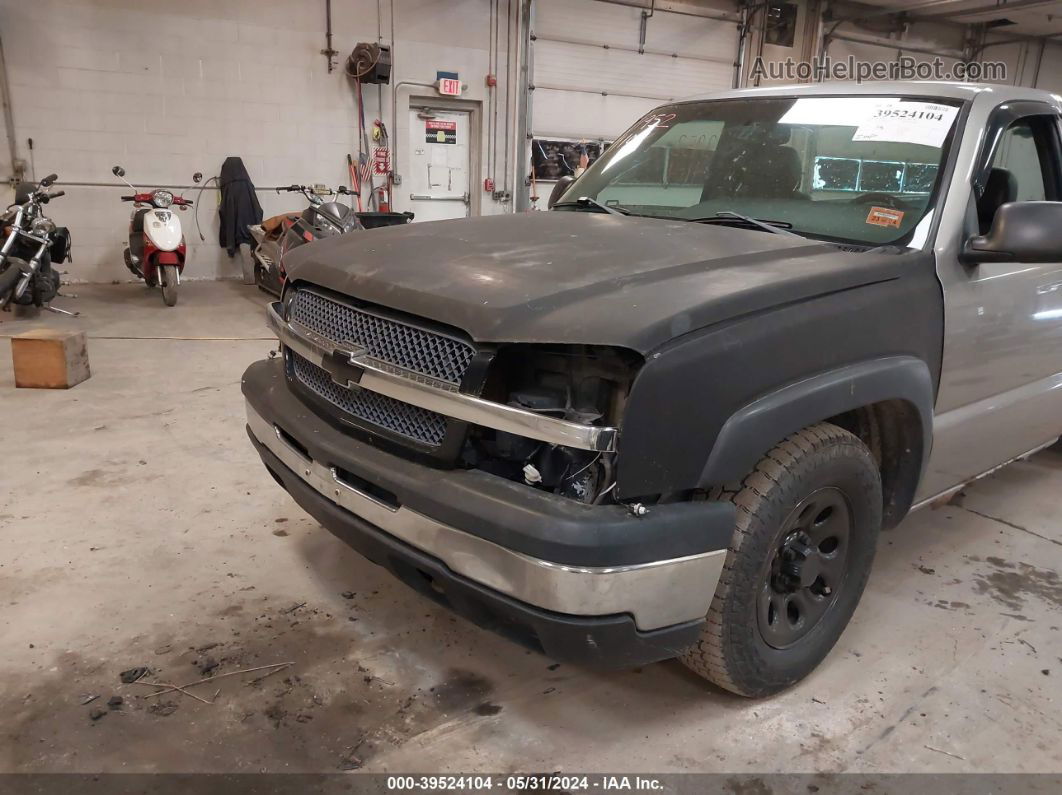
{"x": 891, "y": 11}
{"x": 1021, "y": 40}
{"x": 1000, "y": 8}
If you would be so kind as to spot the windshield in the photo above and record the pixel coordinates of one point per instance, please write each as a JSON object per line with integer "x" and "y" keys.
{"x": 858, "y": 169}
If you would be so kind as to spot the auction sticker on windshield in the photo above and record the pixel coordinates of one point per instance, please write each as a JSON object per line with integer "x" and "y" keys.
{"x": 925, "y": 123}
{"x": 885, "y": 216}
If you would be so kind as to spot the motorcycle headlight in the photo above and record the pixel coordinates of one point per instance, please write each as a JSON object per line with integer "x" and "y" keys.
{"x": 42, "y": 227}
{"x": 162, "y": 198}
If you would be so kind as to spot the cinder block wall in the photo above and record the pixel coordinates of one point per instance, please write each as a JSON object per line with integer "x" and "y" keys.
{"x": 170, "y": 89}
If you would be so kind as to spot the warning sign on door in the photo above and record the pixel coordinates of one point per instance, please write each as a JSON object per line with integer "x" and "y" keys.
{"x": 440, "y": 132}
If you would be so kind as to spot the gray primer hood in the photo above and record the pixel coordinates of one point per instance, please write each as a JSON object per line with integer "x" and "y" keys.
{"x": 581, "y": 277}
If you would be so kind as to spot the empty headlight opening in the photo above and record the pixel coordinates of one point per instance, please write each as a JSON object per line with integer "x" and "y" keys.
{"x": 579, "y": 383}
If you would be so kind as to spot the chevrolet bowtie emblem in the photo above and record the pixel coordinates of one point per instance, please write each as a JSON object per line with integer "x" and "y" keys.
{"x": 342, "y": 365}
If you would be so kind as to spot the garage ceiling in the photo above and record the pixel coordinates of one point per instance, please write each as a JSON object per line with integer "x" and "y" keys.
{"x": 1018, "y": 17}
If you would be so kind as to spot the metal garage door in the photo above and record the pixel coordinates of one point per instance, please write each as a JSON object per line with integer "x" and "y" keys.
{"x": 590, "y": 81}
{"x": 868, "y": 52}
{"x": 1050, "y": 76}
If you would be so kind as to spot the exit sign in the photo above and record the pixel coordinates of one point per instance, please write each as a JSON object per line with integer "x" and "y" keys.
{"x": 449, "y": 86}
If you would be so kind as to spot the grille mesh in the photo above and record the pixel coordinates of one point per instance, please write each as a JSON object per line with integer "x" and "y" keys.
{"x": 399, "y": 344}
{"x": 413, "y": 422}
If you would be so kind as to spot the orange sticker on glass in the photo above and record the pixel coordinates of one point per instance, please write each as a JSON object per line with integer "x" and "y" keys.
{"x": 885, "y": 216}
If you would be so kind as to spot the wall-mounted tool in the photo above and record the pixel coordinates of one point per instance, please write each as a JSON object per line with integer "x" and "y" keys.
{"x": 370, "y": 62}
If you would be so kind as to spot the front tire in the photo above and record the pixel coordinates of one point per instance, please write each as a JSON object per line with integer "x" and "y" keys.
{"x": 169, "y": 280}
{"x": 9, "y": 279}
{"x": 808, "y": 518}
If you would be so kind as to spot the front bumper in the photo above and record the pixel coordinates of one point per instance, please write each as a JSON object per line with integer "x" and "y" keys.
{"x": 579, "y": 582}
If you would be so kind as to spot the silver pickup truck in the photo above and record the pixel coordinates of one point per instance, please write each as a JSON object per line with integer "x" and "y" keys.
{"x": 670, "y": 416}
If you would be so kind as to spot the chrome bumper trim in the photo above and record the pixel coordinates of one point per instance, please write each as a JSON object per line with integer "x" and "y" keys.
{"x": 657, "y": 594}
{"x": 424, "y": 393}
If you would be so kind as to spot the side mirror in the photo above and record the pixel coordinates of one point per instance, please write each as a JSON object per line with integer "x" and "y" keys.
{"x": 197, "y": 177}
{"x": 118, "y": 171}
{"x": 1021, "y": 232}
{"x": 558, "y": 190}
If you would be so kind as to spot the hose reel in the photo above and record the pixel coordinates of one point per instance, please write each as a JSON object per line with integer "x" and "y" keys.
{"x": 369, "y": 62}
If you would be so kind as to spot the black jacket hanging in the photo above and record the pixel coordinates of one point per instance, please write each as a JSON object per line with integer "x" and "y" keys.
{"x": 239, "y": 205}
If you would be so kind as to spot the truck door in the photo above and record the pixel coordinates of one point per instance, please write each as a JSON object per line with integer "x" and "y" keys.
{"x": 1000, "y": 390}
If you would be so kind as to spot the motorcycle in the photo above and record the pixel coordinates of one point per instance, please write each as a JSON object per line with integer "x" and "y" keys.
{"x": 156, "y": 250}
{"x": 34, "y": 244}
{"x": 276, "y": 236}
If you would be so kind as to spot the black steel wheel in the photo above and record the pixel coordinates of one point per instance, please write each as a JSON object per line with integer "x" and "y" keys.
{"x": 808, "y": 518}
{"x": 808, "y": 569}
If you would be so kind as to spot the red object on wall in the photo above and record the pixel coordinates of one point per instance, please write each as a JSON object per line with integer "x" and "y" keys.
{"x": 488, "y": 185}
{"x": 491, "y": 81}
{"x": 381, "y": 160}
{"x": 450, "y": 87}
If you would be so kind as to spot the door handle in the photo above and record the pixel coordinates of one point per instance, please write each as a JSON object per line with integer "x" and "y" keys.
{"x": 425, "y": 197}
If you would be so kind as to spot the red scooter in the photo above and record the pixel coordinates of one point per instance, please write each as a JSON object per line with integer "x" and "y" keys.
{"x": 156, "y": 249}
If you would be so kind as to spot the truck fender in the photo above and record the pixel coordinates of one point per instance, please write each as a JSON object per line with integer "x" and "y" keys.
{"x": 760, "y": 425}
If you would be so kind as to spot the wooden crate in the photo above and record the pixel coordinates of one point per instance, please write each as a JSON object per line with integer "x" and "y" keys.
{"x": 49, "y": 359}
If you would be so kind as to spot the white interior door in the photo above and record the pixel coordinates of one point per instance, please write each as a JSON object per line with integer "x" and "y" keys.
{"x": 440, "y": 164}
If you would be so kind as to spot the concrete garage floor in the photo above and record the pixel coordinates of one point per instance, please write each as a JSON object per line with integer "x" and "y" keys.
{"x": 139, "y": 528}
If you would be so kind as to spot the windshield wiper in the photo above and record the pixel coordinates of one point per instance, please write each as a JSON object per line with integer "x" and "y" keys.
{"x": 586, "y": 201}
{"x": 774, "y": 227}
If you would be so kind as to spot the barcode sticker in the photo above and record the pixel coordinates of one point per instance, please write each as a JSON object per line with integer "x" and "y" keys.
{"x": 925, "y": 123}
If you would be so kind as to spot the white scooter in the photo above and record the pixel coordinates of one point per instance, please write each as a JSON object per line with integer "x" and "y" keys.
{"x": 156, "y": 250}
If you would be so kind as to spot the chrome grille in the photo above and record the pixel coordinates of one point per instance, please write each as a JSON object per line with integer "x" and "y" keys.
{"x": 399, "y": 344}
{"x": 413, "y": 422}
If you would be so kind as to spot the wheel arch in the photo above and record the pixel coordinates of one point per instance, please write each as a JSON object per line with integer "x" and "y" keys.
{"x": 886, "y": 402}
